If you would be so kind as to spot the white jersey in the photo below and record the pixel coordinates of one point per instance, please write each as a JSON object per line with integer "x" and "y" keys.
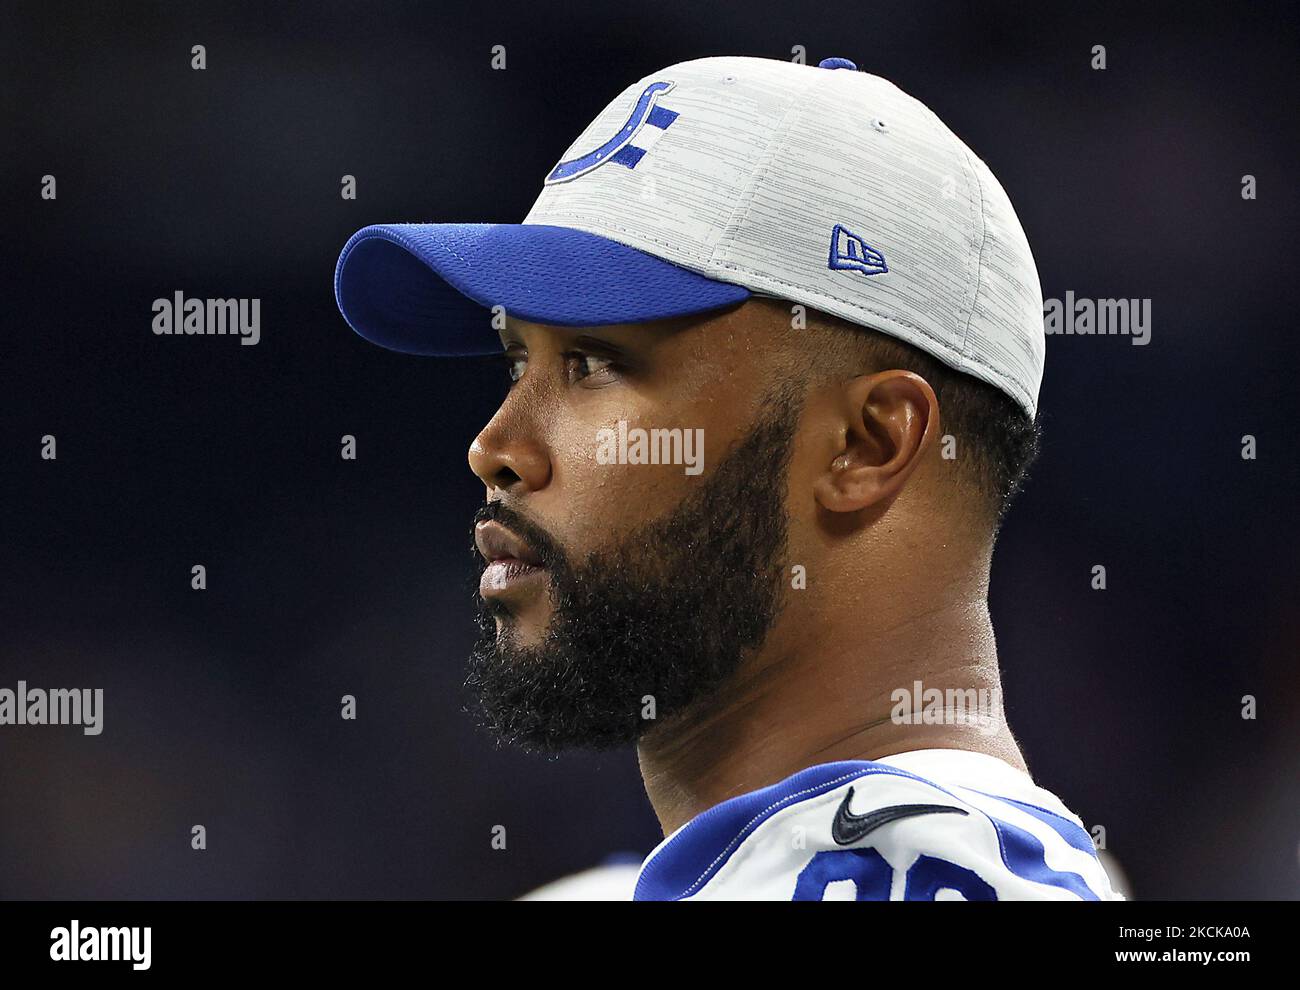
{"x": 932, "y": 824}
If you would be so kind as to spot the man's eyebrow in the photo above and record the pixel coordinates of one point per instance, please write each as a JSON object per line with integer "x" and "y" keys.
{"x": 511, "y": 337}
{"x": 599, "y": 344}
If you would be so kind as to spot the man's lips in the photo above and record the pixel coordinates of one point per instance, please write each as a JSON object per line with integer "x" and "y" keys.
{"x": 495, "y": 542}
{"x": 510, "y": 560}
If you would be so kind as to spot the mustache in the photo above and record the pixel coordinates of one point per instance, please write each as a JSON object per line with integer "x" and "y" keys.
{"x": 542, "y": 543}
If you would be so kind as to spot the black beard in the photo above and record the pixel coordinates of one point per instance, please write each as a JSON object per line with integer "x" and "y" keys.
{"x": 654, "y": 624}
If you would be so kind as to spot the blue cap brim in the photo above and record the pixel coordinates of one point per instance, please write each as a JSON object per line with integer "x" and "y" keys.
{"x": 425, "y": 288}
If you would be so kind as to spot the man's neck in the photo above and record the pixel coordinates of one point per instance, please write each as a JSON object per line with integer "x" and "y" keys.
{"x": 810, "y": 699}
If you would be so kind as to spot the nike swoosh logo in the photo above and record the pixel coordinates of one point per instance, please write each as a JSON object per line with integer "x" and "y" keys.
{"x": 848, "y": 828}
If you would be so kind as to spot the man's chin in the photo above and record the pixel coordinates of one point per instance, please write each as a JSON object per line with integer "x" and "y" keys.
{"x": 520, "y": 703}
{"x": 522, "y": 630}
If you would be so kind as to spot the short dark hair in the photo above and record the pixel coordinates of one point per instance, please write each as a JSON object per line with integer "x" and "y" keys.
{"x": 997, "y": 441}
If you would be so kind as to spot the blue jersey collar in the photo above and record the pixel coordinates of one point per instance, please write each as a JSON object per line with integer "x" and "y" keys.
{"x": 688, "y": 858}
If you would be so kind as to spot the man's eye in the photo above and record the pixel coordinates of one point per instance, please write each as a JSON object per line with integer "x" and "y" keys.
{"x": 515, "y": 366}
{"x": 589, "y": 366}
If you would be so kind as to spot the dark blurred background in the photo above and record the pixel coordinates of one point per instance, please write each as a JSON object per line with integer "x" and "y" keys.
{"x": 329, "y": 577}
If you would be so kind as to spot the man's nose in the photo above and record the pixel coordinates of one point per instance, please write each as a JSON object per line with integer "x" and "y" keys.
{"x": 510, "y": 456}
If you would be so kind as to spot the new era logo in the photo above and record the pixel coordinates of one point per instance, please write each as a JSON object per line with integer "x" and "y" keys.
{"x": 851, "y": 252}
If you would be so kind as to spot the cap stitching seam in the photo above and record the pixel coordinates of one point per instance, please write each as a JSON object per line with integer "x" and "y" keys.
{"x": 976, "y": 188}
{"x": 984, "y": 240}
{"x": 765, "y": 166}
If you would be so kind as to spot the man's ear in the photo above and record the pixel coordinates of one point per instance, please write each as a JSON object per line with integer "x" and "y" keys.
{"x": 890, "y": 420}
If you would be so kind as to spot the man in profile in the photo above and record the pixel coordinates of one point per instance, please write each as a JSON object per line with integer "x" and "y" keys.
{"x": 773, "y": 338}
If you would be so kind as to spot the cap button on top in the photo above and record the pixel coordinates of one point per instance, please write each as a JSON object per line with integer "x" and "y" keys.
{"x": 836, "y": 63}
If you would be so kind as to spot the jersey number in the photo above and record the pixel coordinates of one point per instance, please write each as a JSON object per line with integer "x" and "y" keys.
{"x": 873, "y": 877}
